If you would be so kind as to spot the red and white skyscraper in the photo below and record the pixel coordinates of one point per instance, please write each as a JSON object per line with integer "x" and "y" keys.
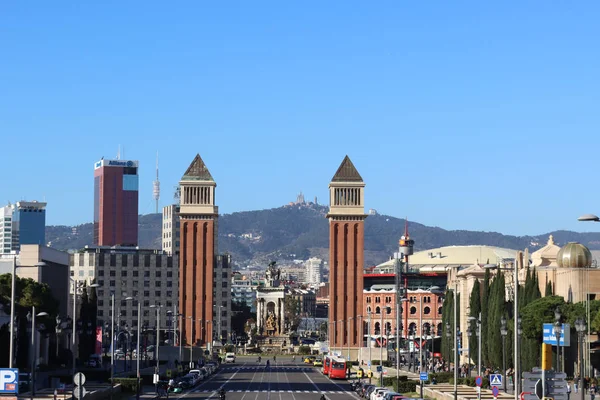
{"x": 116, "y": 203}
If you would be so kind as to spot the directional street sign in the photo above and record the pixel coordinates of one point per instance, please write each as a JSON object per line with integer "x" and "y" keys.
{"x": 495, "y": 391}
{"x": 478, "y": 381}
{"x": 495, "y": 380}
{"x": 523, "y": 394}
{"x": 79, "y": 379}
{"x": 556, "y": 385}
{"x": 79, "y": 393}
{"x": 424, "y": 376}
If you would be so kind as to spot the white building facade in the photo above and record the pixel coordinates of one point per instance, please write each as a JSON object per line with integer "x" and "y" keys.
{"x": 313, "y": 273}
{"x": 170, "y": 229}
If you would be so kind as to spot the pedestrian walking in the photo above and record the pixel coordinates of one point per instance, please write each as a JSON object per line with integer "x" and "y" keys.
{"x": 593, "y": 391}
{"x": 568, "y": 390}
{"x": 576, "y": 384}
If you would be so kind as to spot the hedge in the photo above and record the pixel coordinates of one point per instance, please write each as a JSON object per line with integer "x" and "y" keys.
{"x": 386, "y": 363}
{"x": 406, "y": 386}
{"x": 127, "y": 384}
{"x": 304, "y": 350}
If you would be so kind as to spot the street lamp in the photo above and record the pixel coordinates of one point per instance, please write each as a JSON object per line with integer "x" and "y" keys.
{"x": 191, "y": 341}
{"x": 31, "y": 317}
{"x": 581, "y": 328}
{"x": 557, "y": 334}
{"x": 12, "y": 305}
{"x": 157, "y": 307}
{"x": 503, "y": 332}
{"x": 76, "y": 289}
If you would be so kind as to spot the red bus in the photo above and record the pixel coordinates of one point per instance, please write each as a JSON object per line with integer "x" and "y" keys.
{"x": 326, "y": 363}
{"x": 337, "y": 369}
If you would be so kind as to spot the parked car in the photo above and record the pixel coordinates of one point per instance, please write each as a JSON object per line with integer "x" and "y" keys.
{"x": 230, "y": 358}
{"x": 377, "y": 391}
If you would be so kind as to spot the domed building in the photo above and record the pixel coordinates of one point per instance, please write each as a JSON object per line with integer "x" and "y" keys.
{"x": 572, "y": 276}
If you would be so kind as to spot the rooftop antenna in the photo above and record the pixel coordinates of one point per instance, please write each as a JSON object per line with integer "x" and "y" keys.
{"x": 156, "y": 186}
{"x": 119, "y": 152}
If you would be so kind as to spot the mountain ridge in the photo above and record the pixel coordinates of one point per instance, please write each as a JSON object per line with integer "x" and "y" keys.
{"x": 299, "y": 231}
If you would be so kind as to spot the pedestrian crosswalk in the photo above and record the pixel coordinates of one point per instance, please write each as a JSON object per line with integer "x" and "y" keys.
{"x": 272, "y": 368}
{"x": 275, "y": 391}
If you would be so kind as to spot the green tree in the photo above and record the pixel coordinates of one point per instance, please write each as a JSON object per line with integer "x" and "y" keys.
{"x": 485, "y": 296}
{"x": 292, "y": 312}
{"x": 496, "y": 309}
{"x": 447, "y": 312}
{"x": 241, "y": 313}
{"x": 474, "y": 311}
{"x": 548, "y": 291}
{"x": 28, "y": 293}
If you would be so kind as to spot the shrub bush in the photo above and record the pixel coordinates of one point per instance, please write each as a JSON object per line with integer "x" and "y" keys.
{"x": 304, "y": 350}
{"x": 127, "y": 384}
{"x": 405, "y": 386}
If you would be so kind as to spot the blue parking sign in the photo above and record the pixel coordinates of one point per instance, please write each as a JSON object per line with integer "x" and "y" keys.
{"x": 9, "y": 380}
{"x": 379, "y": 368}
{"x": 424, "y": 376}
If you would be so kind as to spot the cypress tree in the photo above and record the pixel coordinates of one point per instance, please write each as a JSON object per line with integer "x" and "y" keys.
{"x": 93, "y": 318}
{"x": 447, "y": 314}
{"x": 485, "y": 296}
{"x": 474, "y": 311}
{"x": 548, "y": 291}
{"x": 81, "y": 323}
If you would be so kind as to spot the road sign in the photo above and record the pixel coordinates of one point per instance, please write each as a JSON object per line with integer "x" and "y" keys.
{"x": 523, "y": 394}
{"x": 77, "y": 392}
{"x": 79, "y": 379}
{"x": 9, "y": 381}
{"x": 424, "y": 376}
{"x": 550, "y": 338}
{"x": 495, "y": 380}
{"x": 379, "y": 368}
{"x": 478, "y": 381}
{"x": 495, "y": 391}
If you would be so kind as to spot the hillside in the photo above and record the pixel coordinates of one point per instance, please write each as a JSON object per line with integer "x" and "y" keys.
{"x": 301, "y": 231}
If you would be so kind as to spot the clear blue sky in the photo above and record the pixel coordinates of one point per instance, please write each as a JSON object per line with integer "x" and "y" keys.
{"x": 464, "y": 115}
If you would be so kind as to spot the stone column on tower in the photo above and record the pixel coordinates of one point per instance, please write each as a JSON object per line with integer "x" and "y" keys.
{"x": 346, "y": 254}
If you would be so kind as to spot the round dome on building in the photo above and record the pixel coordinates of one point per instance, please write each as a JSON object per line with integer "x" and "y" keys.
{"x": 574, "y": 255}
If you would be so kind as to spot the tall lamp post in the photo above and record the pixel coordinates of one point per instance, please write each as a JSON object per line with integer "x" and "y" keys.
{"x": 557, "y": 335}
{"x": 348, "y": 335}
{"x": 12, "y": 305}
{"x": 581, "y": 328}
{"x": 31, "y": 317}
{"x": 157, "y": 307}
{"x": 191, "y": 341}
{"x": 478, "y": 333}
{"x": 503, "y": 332}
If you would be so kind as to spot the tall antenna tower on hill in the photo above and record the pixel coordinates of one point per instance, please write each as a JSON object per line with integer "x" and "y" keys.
{"x": 156, "y": 186}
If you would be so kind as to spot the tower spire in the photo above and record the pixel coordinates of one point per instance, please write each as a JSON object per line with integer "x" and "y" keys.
{"x": 156, "y": 186}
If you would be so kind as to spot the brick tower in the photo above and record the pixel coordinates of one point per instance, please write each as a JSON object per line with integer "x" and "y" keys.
{"x": 346, "y": 256}
{"x": 198, "y": 218}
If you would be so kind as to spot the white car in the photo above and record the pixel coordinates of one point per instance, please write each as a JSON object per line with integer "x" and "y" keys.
{"x": 376, "y": 394}
{"x": 230, "y": 358}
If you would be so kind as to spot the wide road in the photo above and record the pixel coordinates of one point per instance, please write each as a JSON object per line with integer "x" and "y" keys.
{"x": 284, "y": 380}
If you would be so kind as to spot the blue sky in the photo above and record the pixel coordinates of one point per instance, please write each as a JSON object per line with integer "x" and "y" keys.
{"x": 464, "y": 115}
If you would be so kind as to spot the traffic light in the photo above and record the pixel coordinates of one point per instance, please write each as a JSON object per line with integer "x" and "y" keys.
{"x": 546, "y": 356}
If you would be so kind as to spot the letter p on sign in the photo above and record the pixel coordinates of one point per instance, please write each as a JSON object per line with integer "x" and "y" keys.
{"x": 9, "y": 380}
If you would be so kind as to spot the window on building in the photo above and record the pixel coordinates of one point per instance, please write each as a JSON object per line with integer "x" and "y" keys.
{"x": 134, "y": 323}
{"x": 157, "y": 284}
{"x": 100, "y": 303}
{"x": 81, "y": 259}
{"x": 413, "y": 310}
{"x": 80, "y": 272}
{"x": 224, "y": 294}
{"x": 134, "y": 294}
{"x": 72, "y": 274}
{"x": 135, "y": 283}
{"x": 134, "y": 313}
{"x": 136, "y": 260}
{"x": 224, "y": 323}
{"x": 146, "y": 313}
{"x": 224, "y": 303}
{"x": 146, "y": 274}
{"x": 169, "y": 283}
{"x": 377, "y": 299}
{"x": 377, "y": 310}
{"x": 158, "y": 274}
{"x": 170, "y": 259}
{"x": 169, "y": 303}
{"x": 146, "y": 260}
{"x": 146, "y": 293}
{"x": 157, "y": 293}
{"x": 388, "y": 310}
{"x": 113, "y": 260}
{"x": 124, "y": 260}
{"x": 146, "y": 303}
{"x": 100, "y": 313}
{"x": 112, "y": 273}
{"x": 225, "y": 275}
{"x": 169, "y": 274}
{"x": 111, "y": 283}
{"x": 100, "y": 292}
{"x": 123, "y": 283}
{"x": 123, "y": 273}
{"x": 439, "y": 310}
{"x": 91, "y": 272}
{"x": 426, "y": 310}
{"x": 101, "y": 272}
{"x": 136, "y": 274}
{"x": 169, "y": 293}
{"x": 146, "y": 283}
{"x": 101, "y": 260}
{"x": 368, "y": 299}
